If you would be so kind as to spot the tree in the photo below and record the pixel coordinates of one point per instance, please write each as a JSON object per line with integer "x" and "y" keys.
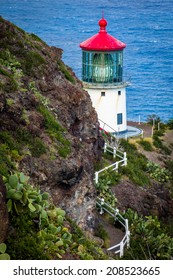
{"x": 153, "y": 119}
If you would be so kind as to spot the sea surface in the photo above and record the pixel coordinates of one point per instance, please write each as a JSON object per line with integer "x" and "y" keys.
{"x": 146, "y": 26}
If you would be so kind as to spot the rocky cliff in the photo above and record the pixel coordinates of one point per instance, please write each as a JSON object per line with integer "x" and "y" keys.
{"x": 48, "y": 127}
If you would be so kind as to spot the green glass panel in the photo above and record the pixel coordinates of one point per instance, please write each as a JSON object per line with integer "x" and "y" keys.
{"x": 103, "y": 67}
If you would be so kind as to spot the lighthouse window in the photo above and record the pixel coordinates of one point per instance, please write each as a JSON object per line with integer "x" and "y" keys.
{"x": 119, "y": 118}
{"x": 119, "y": 92}
{"x": 102, "y": 93}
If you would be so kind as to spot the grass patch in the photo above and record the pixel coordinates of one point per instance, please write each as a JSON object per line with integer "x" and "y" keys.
{"x": 35, "y": 144}
{"x": 137, "y": 165}
{"x": 31, "y": 61}
{"x": 6, "y": 163}
{"x": 63, "y": 68}
{"x": 56, "y": 131}
{"x": 147, "y": 146}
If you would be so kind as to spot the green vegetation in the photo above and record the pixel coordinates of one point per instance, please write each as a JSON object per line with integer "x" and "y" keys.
{"x": 36, "y": 220}
{"x": 149, "y": 239}
{"x": 3, "y": 255}
{"x": 83, "y": 247}
{"x": 103, "y": 187}
{"x": 40, "y": 229}
{"x": 32, "y": 60}
{"x": 137, "y": 165}
{"x": 63, "y": 68}
{"x": 36, "y": 38}
{"x": 14, "y": 72}
{"x": 153, "y": 119}
{"x": 7, "y": 158}
{"x": 158, "y": 173}
{"x": 147, "y": 146}
{"x": 158, "y": 143}
{"x": 56, "y": 131}
{"x": 13, "y": 145}
{"x": 103, "y": 234}
{"x": 170, "y": 124}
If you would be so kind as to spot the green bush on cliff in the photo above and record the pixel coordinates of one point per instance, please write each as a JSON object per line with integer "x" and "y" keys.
{"x": 37, "y": 223}
{"x": 40, "y": 230}
{"x": 148, "y": 239}
{"x": 3, "y": 254}
{"x": 31, "y": 61}
{"x": 63, "y": 68}
{"x": 137, "y": 165}
{"x": 55, "y": 130}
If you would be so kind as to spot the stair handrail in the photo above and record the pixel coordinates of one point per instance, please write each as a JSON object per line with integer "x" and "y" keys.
{"x": 114, "y": 212}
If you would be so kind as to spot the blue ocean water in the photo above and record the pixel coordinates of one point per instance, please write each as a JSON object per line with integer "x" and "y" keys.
{"x": 146, "y": 26}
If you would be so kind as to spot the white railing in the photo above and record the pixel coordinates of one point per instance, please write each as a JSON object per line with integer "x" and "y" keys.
{"x": 105, "y": 207}
{"x": 115, "y": 165}
{"x": 114, "y": 151}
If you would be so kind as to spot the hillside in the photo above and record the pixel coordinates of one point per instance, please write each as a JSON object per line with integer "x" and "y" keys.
{"x": 48, "y": 127}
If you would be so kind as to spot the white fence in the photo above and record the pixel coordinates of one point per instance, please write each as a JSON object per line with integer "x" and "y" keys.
{"x": 115, "y": 165}
{"x": 105, "y": 207}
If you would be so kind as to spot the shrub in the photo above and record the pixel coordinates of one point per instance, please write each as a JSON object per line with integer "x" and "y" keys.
{"x": 106, "y": 180}
{"x": 136, "y": 165}
{"x": 3, "y": 254}
{"x": 153, "y": 119}
{"x": 63, "y": 68}
{"x": 38, "y": 224}
{"x": 32, "y": 60}
{"x": 157, "y": 142}
{"x": 170, "y": 124}
{"x": 146, "y": 145}
{"x": 55, "y": 130}
{"x": 148, "y": 238}
{"x": 158, "y": 173}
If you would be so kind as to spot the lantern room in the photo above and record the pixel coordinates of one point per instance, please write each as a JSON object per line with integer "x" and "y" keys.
{"x": 102, "y": 57}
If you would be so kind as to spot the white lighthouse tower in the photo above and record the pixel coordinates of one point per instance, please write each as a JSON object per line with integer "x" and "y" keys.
{"x": 102, "y": 75}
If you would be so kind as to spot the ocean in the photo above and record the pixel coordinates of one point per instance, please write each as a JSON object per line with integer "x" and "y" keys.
{"x": 146, "y": 26}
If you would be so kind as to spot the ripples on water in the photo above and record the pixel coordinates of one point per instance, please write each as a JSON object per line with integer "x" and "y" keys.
{"x": 145, "y": 26}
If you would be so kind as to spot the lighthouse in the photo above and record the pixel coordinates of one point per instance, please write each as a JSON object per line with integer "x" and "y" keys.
{"x": 102, "y": 76}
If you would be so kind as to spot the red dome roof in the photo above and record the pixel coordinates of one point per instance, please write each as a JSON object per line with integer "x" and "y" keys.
{"x": 102, "y": 41}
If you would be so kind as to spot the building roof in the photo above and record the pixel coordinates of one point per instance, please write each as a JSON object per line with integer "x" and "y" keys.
{"x": 102, "y": 41}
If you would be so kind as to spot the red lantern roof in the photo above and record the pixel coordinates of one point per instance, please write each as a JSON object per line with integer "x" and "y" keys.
{"x": 102, "y": 41}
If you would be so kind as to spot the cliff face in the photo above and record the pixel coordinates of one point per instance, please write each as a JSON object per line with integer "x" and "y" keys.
{"x": 48, "y": 128}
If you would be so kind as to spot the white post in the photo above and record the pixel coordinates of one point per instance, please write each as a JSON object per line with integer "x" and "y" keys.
{"x": 128, "y": 239}
{"x": 105, "y": 147}
{"x": 114, "y": 153}
{"x": 96, "y": 177}
{"x": 125, "y": 158}
{"x": 139, "y": 120}
{"x": 158, "y": 126}
{"x": 142, "y": 135}
{"x": 121, "y": 249}
{"x": 127, "y": 232}
{"x": 116, "y": 168}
